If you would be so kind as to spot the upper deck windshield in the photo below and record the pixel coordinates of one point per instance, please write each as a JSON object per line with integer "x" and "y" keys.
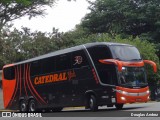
{"x": 132, "y": 77}
{"x": 125, "y": 53}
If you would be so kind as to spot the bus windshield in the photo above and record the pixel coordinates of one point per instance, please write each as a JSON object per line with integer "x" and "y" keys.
{"x": 132, "y": 77}
{"x": 125, "y": 53}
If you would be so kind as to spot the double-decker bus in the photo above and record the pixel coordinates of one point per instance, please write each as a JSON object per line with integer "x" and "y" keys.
{"x": 90, "y": 75}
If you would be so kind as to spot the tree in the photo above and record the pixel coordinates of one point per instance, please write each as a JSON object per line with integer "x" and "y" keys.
{"x": 70, "y": 36}
{"x": 14, "y": 9}
{"x": 19, "y": 45}
{"x": 129, "y": 17}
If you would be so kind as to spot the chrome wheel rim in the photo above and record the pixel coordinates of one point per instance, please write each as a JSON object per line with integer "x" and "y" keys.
{"x": 91, "y": 103}
{"x": 32, "y": 107}
{"x": 23, "y": 107}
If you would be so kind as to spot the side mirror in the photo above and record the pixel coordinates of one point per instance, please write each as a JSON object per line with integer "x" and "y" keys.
{"x": 153, "y": 64}
{"x": 112, "y": 61}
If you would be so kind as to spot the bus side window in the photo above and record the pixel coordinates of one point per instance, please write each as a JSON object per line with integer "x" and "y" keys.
{"x": 107, "y": 76}
{"x": 99, "y": 52}
{"x": 36, "y": 68}
{"x": 79, "y": 59}
{"x": 48, "y": 65}
{"x": 9, "y": 73}
{"x": 106, "y": 72}
{"x": 63, "y": 62}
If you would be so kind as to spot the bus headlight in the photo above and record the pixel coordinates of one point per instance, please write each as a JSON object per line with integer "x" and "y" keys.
{"x": 122, "y": 92}
{"x": 123, "y": 98}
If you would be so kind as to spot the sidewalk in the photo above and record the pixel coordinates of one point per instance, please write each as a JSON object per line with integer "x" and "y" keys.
{"x": 1, "y": 99}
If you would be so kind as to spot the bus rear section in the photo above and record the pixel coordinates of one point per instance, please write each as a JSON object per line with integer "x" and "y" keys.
{"x": 9, "y": 85}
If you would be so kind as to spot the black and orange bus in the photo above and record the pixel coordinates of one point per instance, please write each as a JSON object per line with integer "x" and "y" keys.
{"x": 90, "y": 75}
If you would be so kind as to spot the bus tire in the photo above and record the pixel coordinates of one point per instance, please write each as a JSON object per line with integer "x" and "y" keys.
{"x": 93, "y": 103}
{"x": 32, "y": 106}
{"x": 23, "y": 106}
{"x": 119, "y": 106}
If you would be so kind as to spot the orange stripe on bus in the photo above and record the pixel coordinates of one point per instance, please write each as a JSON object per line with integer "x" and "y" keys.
{"x": 29, "y": 86}
{"x": 35, "y": 89}
{"x": 20, "y": 78}
{"x": 25, "y": 89}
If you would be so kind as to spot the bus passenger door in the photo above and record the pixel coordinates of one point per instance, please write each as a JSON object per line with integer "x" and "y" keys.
{"x": 107, "y": 74}
{"x": 81, "y": 84}
{"x": 81, "y": 68}
{"x": 75, "y": 93}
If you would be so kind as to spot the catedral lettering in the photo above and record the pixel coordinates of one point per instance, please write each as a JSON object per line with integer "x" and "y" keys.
{"x": 50, "y": 78}
{"x": 90, "y": 75}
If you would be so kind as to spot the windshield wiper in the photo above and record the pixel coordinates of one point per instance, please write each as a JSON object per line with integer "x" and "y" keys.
{"x": 135, "y": 85}
{"x": 117, "y": 58}
{"x": 135, "y": 59}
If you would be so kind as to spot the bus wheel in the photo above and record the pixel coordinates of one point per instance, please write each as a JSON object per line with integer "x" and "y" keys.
{"x": 92, "y": 103}
{"x": 119, "y": 106}
{"x": 23, "y": 106}
{"x": 32, "y": 106}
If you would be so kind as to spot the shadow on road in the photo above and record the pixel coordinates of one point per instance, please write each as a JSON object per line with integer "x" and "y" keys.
{"x": 108, "y": 112}
{"x": 99, "y": 110}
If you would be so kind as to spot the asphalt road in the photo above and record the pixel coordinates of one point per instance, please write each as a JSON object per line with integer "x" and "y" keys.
{"x": 129, "y": 112}
{"x": 151, "y": 107}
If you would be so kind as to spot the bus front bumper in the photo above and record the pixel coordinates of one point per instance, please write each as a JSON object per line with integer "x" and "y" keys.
{"x": 127, "y": 95}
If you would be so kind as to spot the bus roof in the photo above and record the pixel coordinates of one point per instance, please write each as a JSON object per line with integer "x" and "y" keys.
{"x": 67, "y": 50}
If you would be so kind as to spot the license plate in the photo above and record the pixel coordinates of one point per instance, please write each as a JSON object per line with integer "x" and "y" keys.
{"x": 138, "y": 99}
